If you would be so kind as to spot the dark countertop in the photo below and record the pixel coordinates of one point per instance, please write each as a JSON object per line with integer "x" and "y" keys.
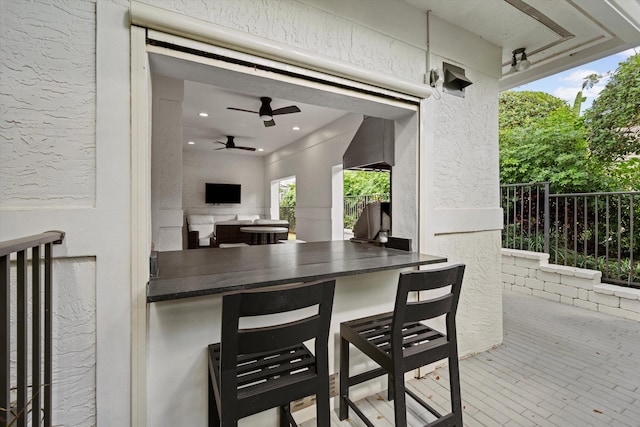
{"x": 198, "y": 272}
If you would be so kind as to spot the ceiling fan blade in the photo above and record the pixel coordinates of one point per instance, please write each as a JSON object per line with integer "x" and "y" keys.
{"x": 286, "y": 110}
{"x": 269, "y": 123}
{"x": 219, "y": 142}
{"x": 241, "y": 109}
{"x": 221, "y": 148}
{"x": 246, "y": 148}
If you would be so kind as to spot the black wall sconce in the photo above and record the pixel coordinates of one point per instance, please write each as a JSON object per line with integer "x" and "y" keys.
{"x": 455, "y": 80}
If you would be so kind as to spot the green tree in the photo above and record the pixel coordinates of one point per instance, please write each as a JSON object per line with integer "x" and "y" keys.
{"x": 518, "y": 109}
{"x": 357, "y": 183}
{"x": 546, "y": 144}
{"x": 589, "y": 81}
{"x": 289, "y": 198}
{"x": 614, "y": 117}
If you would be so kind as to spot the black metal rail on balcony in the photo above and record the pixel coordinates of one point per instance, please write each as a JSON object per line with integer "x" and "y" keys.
{"x": 597, "y": 231}
{"x": 32, "y": 387}
{"x": 354, "y": 205}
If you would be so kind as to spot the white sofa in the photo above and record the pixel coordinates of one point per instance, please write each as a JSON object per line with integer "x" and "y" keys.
{"x": 203, "y": 230}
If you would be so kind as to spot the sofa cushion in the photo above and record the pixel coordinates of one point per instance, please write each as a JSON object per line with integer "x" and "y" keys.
{"x": 271, "y": 222}
{"x": 252, "y": 218}
{"x": 235, "y": 222}
{"x": 219, "y": 218}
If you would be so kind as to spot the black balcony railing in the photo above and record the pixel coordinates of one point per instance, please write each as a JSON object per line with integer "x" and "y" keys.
{"x": 597, "y": 231}
{"x": 354, "y": 205}
{"x": 30, "y": 386}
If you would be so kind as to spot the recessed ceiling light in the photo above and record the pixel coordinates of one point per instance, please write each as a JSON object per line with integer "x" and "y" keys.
{"x": 260, "y": 149}
{"x": 203, "y": 114}
{"x": 190, "y": 142}
{"x": 295, "y": 128}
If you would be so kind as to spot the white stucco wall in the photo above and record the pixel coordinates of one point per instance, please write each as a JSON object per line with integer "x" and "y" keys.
{"x": 65, "y": 154}
{"x": 65, "y": 165}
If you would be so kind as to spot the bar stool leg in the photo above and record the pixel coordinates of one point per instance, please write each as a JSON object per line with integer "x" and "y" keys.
{"x": 323, "y": 413}
{"x": 399, "y": 404}
{"x": 214, "y": 419}
{"x": 344, "y": 379}
{"x": 284, "y": 416}
{"x": 454, "y": 387}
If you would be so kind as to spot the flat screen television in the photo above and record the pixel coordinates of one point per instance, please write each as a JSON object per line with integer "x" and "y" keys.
{"x": 222, "y": 193}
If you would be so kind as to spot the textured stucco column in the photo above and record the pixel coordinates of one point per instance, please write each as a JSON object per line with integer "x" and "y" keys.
{"x": 166, "y": 164}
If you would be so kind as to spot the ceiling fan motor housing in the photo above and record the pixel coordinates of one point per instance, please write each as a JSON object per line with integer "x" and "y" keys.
{"x": 266, "y": 113}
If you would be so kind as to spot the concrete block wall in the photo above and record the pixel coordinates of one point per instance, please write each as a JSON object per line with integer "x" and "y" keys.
{"x": 530, "y": 273}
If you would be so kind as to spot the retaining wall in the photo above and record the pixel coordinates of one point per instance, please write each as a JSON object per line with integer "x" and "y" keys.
{"x": 530, "y": 273}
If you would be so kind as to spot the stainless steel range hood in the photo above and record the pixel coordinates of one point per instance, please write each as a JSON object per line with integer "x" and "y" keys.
{"x": 372, "y": 147}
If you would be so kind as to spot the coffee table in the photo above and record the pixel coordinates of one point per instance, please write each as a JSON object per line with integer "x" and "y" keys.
{"x": 264, "y": 235}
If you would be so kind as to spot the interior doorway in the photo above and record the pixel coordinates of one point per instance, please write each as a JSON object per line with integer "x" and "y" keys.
{"x": 283, "y": 202}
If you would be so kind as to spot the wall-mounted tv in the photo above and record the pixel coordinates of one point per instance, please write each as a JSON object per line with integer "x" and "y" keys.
{"x": 222, "y": 193}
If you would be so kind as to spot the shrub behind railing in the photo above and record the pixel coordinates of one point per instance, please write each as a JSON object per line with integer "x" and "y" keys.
{"x": 598, "y": 231}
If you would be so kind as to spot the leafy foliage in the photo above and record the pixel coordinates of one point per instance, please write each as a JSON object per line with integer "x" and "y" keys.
{"x": 289, "y": 198}
{"x": 614, "y": 117}
{"x": 357, "y": 183}
{"x": 625, "y": 174}
{"x": 551, "y": 148}
{"x": 518, "y": 109}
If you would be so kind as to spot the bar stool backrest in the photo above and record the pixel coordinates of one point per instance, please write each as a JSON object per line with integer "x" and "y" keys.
{"x": 281, "y": 299}
{"x": 425, "y": 280}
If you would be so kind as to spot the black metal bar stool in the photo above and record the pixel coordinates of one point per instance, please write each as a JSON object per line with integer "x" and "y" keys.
{"x": 254, "y": 369}
{"x": 399, "y": 343}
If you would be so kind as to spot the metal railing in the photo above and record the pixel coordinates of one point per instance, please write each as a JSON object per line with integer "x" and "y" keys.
{"x": 32, "y": 386}
{"x": 289, "y": 213}
{"x": 353, "y": 206}
{"x": 598, "y": 231}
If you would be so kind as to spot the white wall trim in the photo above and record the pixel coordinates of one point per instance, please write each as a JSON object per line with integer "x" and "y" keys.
{"x": 196, "y": 29}
{"x": 140, "y": 221}
{"x": 467, "y": 220}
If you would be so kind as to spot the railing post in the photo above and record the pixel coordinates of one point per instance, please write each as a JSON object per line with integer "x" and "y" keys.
{"x": 5, "y": 350}
{"x": 546, "y": 218}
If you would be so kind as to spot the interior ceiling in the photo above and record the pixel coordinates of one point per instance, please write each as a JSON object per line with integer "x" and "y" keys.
{"x": 557, "y": 34}
{"x": 247, "y": 128}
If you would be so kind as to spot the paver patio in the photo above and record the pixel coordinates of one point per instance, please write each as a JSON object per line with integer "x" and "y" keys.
{"x": 559, "y": 365}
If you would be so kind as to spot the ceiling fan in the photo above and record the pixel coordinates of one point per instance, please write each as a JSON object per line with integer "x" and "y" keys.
{"x": 230, "y": 144}
{"x": 266, "y": 112}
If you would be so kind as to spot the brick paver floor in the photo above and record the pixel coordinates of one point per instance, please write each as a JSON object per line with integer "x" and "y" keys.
{"x": 559, "y": 365}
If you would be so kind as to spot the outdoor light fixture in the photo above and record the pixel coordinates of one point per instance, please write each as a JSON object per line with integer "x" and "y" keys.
{"x": 522, "y": 64}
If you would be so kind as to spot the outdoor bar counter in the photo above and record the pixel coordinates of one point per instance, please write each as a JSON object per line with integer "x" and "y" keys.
{"x": 192, "y": 273}
{"x": 185, "y": 311}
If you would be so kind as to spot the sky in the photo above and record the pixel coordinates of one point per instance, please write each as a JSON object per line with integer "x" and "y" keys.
{"x": 567, "y": 84}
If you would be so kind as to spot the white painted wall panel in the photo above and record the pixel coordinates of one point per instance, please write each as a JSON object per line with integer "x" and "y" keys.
{"x": 47, "y": 104}
{"x": 226, "y": 168}
{"x": 317, "y": 30}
